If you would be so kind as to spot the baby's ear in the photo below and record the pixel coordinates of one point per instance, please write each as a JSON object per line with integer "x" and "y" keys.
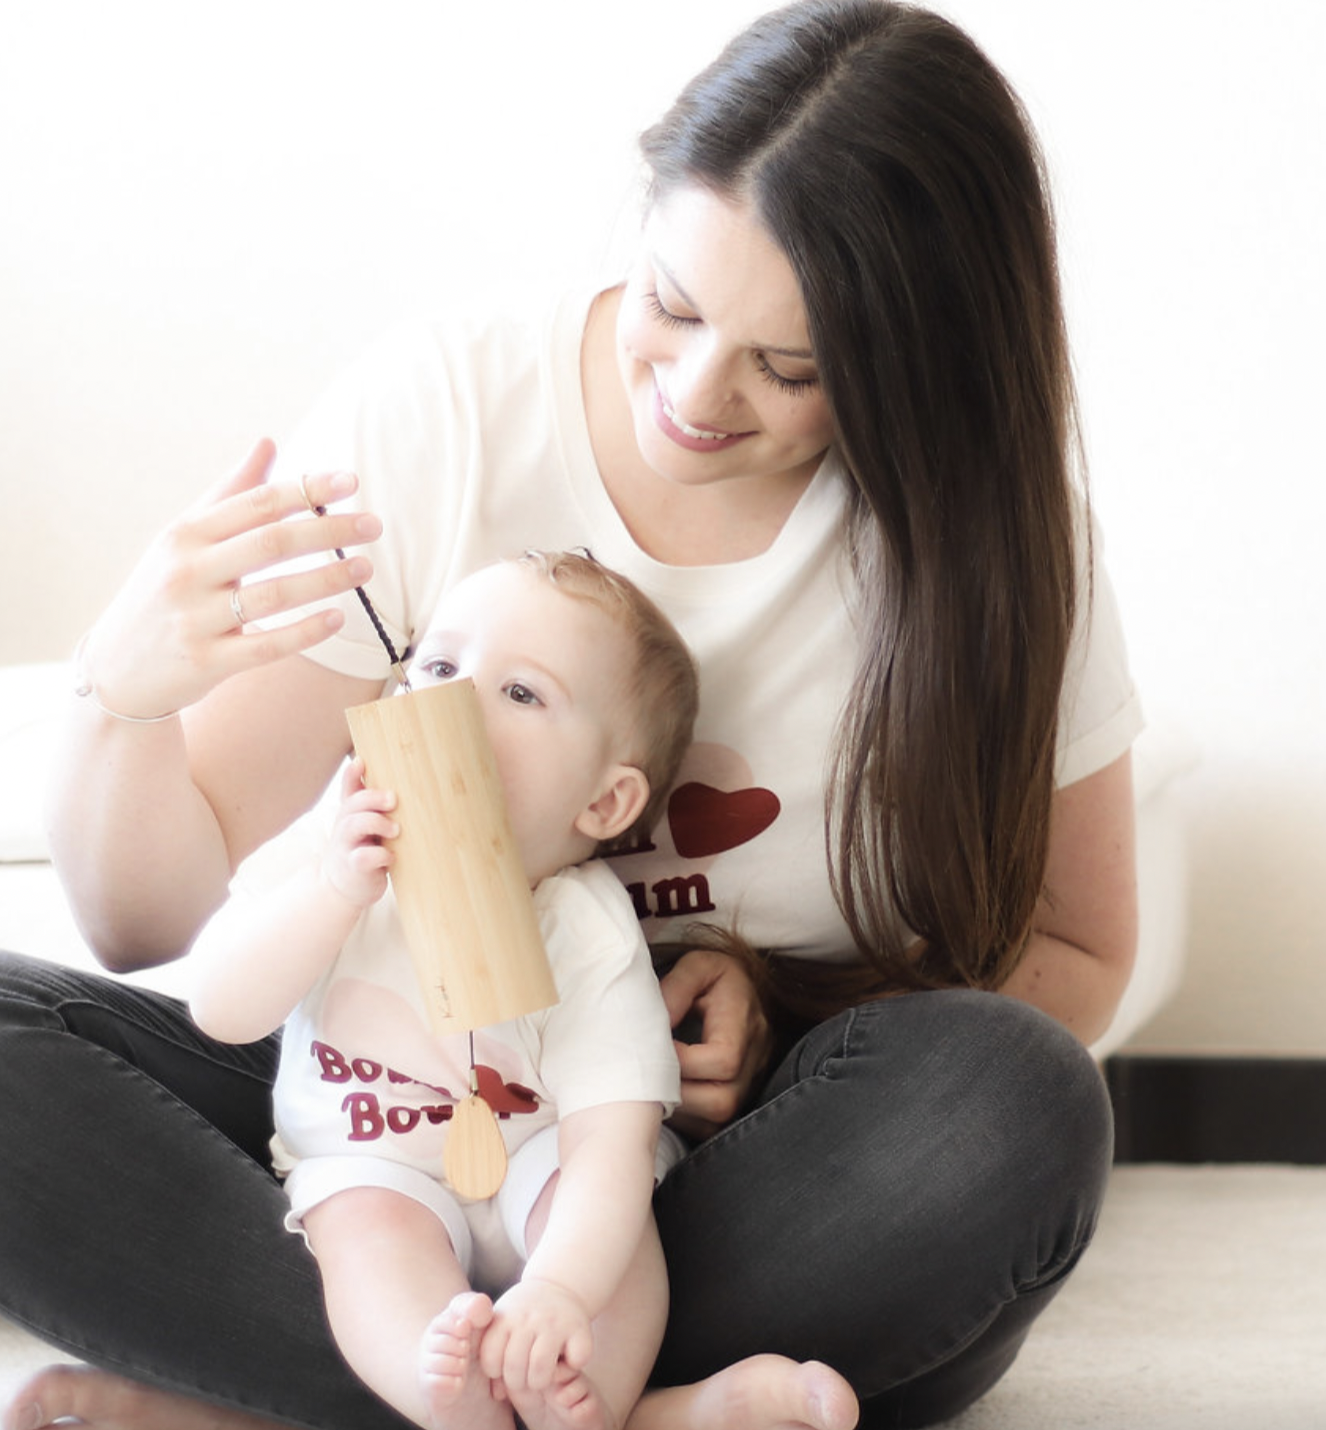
{"x": 618, "y": 807}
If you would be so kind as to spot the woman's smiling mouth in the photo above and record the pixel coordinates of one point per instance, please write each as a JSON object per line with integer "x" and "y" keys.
{"x": 695, "y": 439}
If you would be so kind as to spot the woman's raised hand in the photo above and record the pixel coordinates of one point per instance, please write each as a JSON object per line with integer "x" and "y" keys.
{"x": 180, "y": 624}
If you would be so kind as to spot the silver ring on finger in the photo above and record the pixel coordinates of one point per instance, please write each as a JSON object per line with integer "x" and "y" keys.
{"x": 236, "y": 608}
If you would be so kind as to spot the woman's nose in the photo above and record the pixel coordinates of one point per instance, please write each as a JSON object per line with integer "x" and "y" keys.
{"x": 699, "y": 386}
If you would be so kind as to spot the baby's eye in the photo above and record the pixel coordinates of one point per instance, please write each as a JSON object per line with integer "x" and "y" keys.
{"x": 521, "y": 694}
{"x": 439, "y": 668}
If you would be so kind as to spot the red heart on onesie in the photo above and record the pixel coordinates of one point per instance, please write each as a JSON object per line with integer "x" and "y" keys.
{"x": 706, "y": 821}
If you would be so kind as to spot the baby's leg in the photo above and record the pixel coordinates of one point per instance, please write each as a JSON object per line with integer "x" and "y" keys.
{"x": 389, "y": 1274}
{"x": 627, "y": 1335}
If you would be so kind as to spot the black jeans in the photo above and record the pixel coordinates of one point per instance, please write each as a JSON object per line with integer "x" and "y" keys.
{"x": 915, "y": 1183}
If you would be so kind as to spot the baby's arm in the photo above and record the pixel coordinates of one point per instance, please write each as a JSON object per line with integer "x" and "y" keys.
{"x": 599, "y": 1215}
{"x": 257, "y": 958}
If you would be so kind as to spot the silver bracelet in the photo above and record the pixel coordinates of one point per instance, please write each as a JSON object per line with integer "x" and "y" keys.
{"x": 85, "y": 690}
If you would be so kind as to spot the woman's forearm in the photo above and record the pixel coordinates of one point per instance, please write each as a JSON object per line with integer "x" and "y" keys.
{"x": 149, "y": 822}
{"x": 1080, "y": 989}
{"x": 138, "y": 847}
{"x": 1084, "y": 938}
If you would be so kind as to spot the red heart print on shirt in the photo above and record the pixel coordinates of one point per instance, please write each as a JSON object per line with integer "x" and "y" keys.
{"x": 705, "y": 821}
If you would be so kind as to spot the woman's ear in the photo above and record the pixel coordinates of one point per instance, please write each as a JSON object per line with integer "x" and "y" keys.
{"x": 618, "y": 807}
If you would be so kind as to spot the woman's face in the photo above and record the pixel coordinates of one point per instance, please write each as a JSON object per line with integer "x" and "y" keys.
{"x": 714, "y": 351}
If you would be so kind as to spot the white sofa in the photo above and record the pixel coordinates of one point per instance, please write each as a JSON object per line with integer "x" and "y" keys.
{"x": 35, "y": 919}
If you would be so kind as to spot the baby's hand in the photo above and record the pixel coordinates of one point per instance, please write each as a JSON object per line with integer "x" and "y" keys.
{"x": 356, "y": 861}
{"x": 537, "y": 1324}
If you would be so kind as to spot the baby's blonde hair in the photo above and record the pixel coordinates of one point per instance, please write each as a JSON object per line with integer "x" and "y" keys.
{"x": 662, "y": 689}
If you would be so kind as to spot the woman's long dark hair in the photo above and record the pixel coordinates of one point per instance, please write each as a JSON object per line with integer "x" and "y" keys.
{"x": 897, "y": 171}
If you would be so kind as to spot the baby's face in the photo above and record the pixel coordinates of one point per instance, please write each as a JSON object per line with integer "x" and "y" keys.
{"x": 547, "y": 670}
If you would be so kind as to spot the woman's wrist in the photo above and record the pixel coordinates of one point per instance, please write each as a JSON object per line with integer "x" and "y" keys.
{"x": 85, "y": 688}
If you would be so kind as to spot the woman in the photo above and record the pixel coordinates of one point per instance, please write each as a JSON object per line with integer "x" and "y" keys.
{"x": 828, "y": 424}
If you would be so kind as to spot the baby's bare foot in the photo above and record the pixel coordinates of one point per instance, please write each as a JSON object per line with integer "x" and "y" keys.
{"x": 457, "y": 1393}
{"x": 571, "y": 1402}
{"x": 766, "y": 1392}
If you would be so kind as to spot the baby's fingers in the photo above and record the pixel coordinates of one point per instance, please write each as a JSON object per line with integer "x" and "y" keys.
{"x": 492, "y": 1350}
{"x": 579, "y": 1348}
{"x": 352, "y": 777}
{"x": 542, "y": 1362}
{"x": 381, "y": 833}
{"x": 356, "y": 797}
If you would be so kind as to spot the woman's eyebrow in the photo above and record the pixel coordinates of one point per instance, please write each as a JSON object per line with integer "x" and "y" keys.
{"x": 803, "y": 354}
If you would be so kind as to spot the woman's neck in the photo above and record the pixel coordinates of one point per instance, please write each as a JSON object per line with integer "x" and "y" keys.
{"x": 678, "y": 525}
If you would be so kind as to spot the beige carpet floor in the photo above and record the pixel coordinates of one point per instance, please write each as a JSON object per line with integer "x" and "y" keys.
{"x": 1201, "y": 1306}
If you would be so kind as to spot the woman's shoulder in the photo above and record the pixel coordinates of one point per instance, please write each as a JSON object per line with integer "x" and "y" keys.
{"x": 421, "y": 394}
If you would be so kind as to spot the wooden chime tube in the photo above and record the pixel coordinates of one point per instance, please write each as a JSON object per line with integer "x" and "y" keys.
{"x": 464, "y": 899}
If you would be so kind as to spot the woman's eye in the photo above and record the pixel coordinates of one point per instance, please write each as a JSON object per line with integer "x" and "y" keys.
{"x": 521, "y": 694}
{"x": 793, "y": 386}
{"x": 665, "y": 315}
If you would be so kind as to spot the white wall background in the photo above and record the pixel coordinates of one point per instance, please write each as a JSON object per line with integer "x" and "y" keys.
{"x": 204, "y": 212}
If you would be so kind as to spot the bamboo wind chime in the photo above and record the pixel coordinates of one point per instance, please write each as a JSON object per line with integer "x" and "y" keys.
{"x": 464, "y": 899}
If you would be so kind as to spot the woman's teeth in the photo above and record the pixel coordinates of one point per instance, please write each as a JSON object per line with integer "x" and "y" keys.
{"x": 692, "y": 431}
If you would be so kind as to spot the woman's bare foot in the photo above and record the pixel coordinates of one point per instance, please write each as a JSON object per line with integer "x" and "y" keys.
{"x": 571, "y": 1402}
{"x": 456, "y": 1392}
{"x": 102, "y": 1401}
{"x": 766, "y": 1392}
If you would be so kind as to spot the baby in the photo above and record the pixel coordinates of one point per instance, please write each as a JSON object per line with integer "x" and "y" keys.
{"x": 589, "y": 699}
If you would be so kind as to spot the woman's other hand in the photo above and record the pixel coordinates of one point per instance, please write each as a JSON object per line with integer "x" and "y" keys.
{"x": 173, "y": 633}
{"x": 719, "y": 1071}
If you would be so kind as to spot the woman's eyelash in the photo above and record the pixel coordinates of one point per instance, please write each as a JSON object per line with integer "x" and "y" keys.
{"x": 664, "y": 315}
{"x": 793, "y": 386}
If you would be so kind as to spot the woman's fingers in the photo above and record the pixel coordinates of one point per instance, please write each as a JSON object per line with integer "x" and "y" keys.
{"x": 719, "y": 1069}
{"x": 275, "y": 595}
{"x": 248, "y": 533}
{"x": 249, "y": 475}
{"x": 244, "y": 525}
{"x": 245, "y": 499}
{"x": 254, "y": 648}
{"x": 191, "y": 613}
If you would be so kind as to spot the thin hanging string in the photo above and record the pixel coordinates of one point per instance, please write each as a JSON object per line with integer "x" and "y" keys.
{"x": 405, "y": 685}
{"x": 396, "y": 662}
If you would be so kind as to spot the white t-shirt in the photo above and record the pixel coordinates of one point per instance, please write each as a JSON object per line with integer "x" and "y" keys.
{"x": 361, "y": 1071}
{"x": 470, "y": 441}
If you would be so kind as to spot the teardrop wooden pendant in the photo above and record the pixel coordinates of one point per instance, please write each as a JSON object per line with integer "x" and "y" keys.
{"x": 474, "y": 1158}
